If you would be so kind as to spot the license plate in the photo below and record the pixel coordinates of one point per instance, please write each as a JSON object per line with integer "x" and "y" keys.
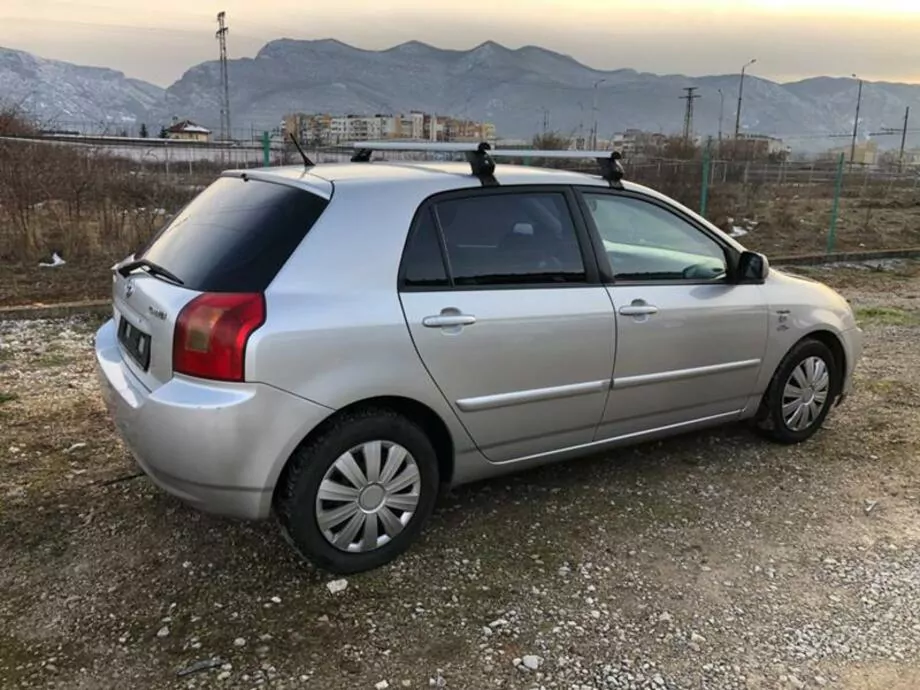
{"x": 135, "y": 342}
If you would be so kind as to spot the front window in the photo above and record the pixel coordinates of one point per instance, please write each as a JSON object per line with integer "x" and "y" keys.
{"x": 645, "y": 242}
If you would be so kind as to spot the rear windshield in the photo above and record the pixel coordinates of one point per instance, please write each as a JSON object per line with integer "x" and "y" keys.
{"x": 236, "y": 235}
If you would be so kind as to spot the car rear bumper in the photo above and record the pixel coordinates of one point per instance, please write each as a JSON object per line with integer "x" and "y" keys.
{"x": 217, "y": 446}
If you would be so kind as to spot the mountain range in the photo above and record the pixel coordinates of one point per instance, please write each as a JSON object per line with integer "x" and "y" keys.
{"x": 516, "y": 89}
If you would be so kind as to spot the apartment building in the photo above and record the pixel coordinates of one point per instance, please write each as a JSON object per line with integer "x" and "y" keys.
{"x": 330, "y": 130}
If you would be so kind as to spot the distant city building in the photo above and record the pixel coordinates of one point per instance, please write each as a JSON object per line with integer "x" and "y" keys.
{"x": 328, "y": 130}
{"x": 633, "y": 143}
{"x": 748, "y": 145}
{"x": 187, "y": 130}
{"x": 865, "y": 153}
{"x": 912, "y": 158}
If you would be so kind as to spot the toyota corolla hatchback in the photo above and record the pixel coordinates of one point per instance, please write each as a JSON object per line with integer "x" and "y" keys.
{"x": 334, "y": 344}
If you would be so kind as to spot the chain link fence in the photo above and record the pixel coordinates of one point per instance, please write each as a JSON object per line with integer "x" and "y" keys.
{"x": 95, "y": 196}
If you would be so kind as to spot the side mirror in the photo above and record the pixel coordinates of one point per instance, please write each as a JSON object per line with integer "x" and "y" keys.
{"x": 752, "y": 268}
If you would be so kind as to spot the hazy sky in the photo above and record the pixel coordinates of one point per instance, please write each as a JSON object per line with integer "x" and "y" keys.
{"x": 158, "y": 41}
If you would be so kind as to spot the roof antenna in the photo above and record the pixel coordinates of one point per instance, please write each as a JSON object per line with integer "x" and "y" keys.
{"x": 307, "y": 163}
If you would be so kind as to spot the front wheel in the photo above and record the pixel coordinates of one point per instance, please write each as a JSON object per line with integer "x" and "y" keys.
{"x": 801, "y": 393}
{"x": 357, "y": 495}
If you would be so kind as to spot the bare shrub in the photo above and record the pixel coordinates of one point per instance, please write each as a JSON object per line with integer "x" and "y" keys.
{"x": 78, "y": 201}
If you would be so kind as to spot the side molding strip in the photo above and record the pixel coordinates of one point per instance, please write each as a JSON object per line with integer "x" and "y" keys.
{"x": 490, "y": 402}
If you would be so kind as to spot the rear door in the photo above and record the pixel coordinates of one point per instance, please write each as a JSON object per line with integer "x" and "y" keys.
{"x": 690, "y": 344}
{"x": 233, "y": 237}
{"x": 502, "y": 298}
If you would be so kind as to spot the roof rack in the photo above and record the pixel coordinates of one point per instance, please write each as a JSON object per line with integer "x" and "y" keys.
{"x": 481, "y": 156}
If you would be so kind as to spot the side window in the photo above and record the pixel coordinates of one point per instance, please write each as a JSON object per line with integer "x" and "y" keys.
{"x": 646, "y": 242}
{"x": 511, "y": 239}
{"x": 423, "y": 264}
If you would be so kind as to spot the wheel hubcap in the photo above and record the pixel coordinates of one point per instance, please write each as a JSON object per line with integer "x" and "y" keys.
{"x": 368, "y": 496}
{"x": 806, "y": 393}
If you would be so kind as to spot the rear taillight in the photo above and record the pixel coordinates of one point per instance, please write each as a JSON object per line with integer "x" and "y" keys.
{"x": 211, "y": 334}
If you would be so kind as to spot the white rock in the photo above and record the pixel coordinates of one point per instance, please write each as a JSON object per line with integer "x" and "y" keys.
{"x": 531, "y": 661}
{"x": 163, "y": 632}
{"x": 664, "y": 617}
{"x": 276, "y": 600}
{"x": 336, "y": 586}
{"x": 239, "y": 642}
{"x": 223, "y": 675}
{"x": 696, "y": 637}
{"x": 382, "y": 685}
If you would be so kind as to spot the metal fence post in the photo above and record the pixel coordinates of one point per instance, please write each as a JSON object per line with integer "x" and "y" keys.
{"x": 832, "y": 234}
{"x": 704, "y": 192}
{"x": 266, "y": 150}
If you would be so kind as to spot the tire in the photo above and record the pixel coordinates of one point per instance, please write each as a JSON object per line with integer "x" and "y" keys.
{"x": 300, "y": 508}
{"x": 776, "y": 425}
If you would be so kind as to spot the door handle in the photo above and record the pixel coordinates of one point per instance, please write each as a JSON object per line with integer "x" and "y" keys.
{"x": 636, "y": 309}
{"x": 448, "y": 320}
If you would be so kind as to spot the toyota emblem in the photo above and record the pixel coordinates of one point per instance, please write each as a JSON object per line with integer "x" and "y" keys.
{"x": 129, "y": 289}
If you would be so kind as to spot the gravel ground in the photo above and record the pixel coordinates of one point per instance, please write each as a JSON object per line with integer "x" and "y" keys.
{"x": 712, "y": 560}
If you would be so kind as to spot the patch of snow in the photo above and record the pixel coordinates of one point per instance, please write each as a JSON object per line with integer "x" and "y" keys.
{"x": 56, "y": 260}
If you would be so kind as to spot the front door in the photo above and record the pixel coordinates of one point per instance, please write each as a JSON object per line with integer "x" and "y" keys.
{"x": 508, "y": 315}
{"x": 689, "y": 343}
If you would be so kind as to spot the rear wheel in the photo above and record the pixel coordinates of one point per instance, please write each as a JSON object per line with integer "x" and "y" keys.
{"x": 357, "y": 495}
{"x": 801, "y": 393}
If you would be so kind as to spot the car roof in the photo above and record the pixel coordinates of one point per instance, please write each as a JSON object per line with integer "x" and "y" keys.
{"x": 431, "y": 177}
{"x": 320, "y": 179}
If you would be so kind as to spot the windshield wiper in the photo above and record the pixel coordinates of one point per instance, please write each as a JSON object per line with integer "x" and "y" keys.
{"x": 152, "y": 268}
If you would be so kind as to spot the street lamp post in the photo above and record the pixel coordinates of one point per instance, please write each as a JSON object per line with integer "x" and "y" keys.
{"x": 741, "y": 96}
{"x": 594, "y": 129}
{"x": 856, "y": 121}
{"x": 721, "y": 113}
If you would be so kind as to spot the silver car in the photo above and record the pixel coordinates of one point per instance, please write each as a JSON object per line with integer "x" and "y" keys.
{"x": 335, "y": 344}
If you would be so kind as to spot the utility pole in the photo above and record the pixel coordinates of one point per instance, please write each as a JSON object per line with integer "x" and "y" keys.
{"x": 856, "y": 122}
{"x": 740, "y": 97}
{"x": 903, "y": 140}
{"x": 222, "y": 30}
{"x": 594, "y": 128}
{"x": 688, "y": 112}
{"x": 721, "y": 115}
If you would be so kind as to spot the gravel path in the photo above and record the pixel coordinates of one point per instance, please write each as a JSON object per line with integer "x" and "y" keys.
{"x": 713, "y": 560}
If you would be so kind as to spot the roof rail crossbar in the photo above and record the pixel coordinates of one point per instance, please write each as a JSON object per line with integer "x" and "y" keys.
{"x": 482, "y": 156}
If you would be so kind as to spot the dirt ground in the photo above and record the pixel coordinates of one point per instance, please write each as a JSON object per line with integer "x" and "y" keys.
{"x": 713, "y": 560}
